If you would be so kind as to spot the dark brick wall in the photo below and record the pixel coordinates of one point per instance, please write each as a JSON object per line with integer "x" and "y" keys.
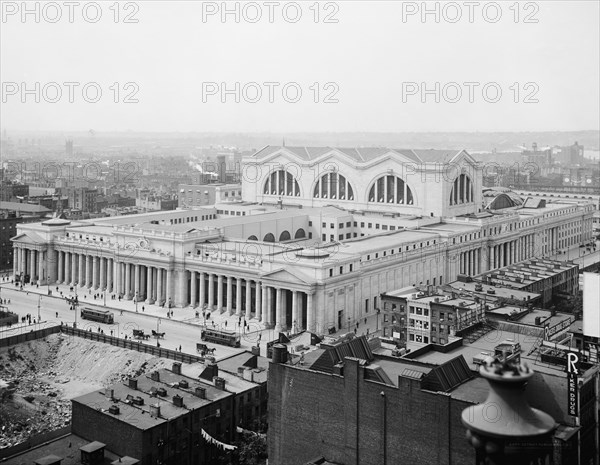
{"x": 119, "y": 437}
{"x": 342, "y": 418}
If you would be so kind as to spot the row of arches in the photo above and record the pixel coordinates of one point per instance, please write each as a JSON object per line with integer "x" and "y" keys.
{"x": 386, "y": 189}
{"x": 284, "y": 236}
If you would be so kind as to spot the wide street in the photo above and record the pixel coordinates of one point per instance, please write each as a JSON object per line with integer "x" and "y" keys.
{"x": 177, "y": 333}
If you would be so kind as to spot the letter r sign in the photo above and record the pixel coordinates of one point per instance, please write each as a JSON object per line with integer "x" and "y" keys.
{"x": 572, "y": 363}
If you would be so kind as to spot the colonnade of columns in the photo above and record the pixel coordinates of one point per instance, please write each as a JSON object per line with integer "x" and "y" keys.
{"x": 245, "y": 297}
{"x": 250, "y": 298}
{"x": 512, "y": 252}
{"x": 470, "y": 262}
{"x": 31, "y": 262}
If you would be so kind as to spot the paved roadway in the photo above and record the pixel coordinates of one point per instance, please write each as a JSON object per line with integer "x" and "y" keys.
{"x": 177, "y": 333}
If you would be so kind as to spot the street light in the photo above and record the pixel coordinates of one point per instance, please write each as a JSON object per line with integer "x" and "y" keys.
{"x": 158, "y": 321}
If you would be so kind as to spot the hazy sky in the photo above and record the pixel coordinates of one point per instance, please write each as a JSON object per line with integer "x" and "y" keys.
{"x": 369, "y": 57}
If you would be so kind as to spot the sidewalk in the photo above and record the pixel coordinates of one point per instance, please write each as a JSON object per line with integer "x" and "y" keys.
{"x": 185, "y": 315}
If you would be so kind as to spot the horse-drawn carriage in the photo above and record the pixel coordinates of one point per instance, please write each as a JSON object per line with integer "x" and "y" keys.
{"x": 158, "y": 335}
{"x": 139, "y": 334}
{"x": 203, "y": 349}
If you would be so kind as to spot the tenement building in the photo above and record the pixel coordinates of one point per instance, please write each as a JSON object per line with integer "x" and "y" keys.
{"x": 318, "y": 235}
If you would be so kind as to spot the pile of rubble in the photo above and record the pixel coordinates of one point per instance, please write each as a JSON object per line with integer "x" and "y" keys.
{"x": 45, "y": 374}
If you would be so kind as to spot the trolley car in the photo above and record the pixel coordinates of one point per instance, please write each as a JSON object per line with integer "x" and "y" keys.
{"x": 103, "y": 316}
{"x": 228, "y": 338}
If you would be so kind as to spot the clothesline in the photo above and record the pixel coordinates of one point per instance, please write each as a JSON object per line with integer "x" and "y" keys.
{"x": 221, "y": 445}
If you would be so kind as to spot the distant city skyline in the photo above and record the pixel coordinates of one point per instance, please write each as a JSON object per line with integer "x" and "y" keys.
{"x": 373, "y": 61}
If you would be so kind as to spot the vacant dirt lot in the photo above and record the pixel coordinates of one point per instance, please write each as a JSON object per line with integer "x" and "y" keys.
{"x": 44, "y": 375}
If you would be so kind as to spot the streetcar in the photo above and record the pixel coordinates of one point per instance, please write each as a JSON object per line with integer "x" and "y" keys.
{"x": 103, "y": 316}
{"x": 228, "y": 338}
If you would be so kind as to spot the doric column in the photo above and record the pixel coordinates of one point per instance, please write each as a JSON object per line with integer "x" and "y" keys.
{"x": 202, "y": 294}
{"x": 128, "y": 295}
{"x": 143, "y": 288}
{"x": 310, "y": 313}
{"x": 193, "y": 289}
{"x": 229, "y": 295}
{"x": 32, "y": 266}
{"x": 300, "y": 315}
{"x": 295, "y": 311}
{"x": 168, "y": 296}
{"x": 40, "y": 257}
{"x": 88, "y": 271}
{"x": 67, "y": 263}
{"x": 278, "y": 310}
{"x": 257, "y": 300}
{"x": 95, "y": 273}
{"x": 248, "y": 299}
{"x": 118, "y": 278}
{"x": 60, "y": 276}
{"x": 149, "y": 285}
{"x": 136, "y": 282}
{"x": 159, "y": 286}
{"x": 211, "y": 291}
{"x": 109, "y": 275}
{"x": 238, "y": 296}
{"x": 220, "y": 293}
{"x": 265, "y": 305}
{"x": 74, "y": 259}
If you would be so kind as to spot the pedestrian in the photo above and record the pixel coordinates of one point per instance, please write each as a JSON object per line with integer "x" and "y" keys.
{"x": 226, "y": 323}
{"x": 56, "y": 314}
{"x": 111, "y": 332}
{"x": 354, "y": 330}
{"x": 365, "y": 320}
{"x": 143, "y": 309}
{"x": 179, "y": 348}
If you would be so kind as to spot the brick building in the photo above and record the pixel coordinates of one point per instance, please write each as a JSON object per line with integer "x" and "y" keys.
{"x": 354, "y": 402}
{"x": 167, "y": 417}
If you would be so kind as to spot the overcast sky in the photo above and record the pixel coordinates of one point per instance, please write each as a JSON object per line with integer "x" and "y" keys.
{"x": 366, "y": 61}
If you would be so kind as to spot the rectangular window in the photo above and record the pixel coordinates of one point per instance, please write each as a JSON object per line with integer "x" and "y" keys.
{"x": 324, "y": 237}
{"x": 362, "y": 224}
{"x": 330, "y": 272}
{"x": 324, "y": 225}
{"x": 332, "y": 225}
{"x": 341, "y": 225}
{"x": 310, "y": 223}
{"x": 310, "y": 235}
{"x": 351, "y": 266}
{"x": 377, "y": 226}
{"x": 348, "y": 235}
{"x": 341, "y": 237}
{"x": 442, "y": 316}
{"x": 370, "y": 225}
{"x": 348, "y": 224}
{"x": 366, "y": 305}
{"x": 341, "y": 270}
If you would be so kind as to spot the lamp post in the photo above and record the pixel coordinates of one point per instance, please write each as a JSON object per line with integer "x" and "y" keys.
{"x": 505, "y": 429}
{"x": 158, "y": 321}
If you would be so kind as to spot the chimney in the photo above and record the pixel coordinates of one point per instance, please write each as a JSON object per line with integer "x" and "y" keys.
{"x": 155, "y": 376}
{"x": 183, "y": 384}
{"x": 178, "y": 400}
{"x": 114, "y": 409}
{"x": 200, "y": 392}
{"x": 176, "y": 368}
{"x": 241, "y": 371}
{"x": 132, "y": 383}
{"x": 109, "y": 393}
{"x": 210, "y": 371}
{"x": 161, "y": 391}
{"x": 219, "y": 383}
{"x": 155, "y": 410}
{"x": 248, "y": 374}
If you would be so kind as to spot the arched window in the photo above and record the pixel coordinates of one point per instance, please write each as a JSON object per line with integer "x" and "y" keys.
{"x": 300, "y": 234}
{"x": 253, "y": 238}
{"x": 284, "y": 236}
{"x": 269, "y": 238}
{"x": 462, "y": 190}
{"x": 281, "y": 183}
{"x": 333, "y": 186}
{"x": 391, "y": 189}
